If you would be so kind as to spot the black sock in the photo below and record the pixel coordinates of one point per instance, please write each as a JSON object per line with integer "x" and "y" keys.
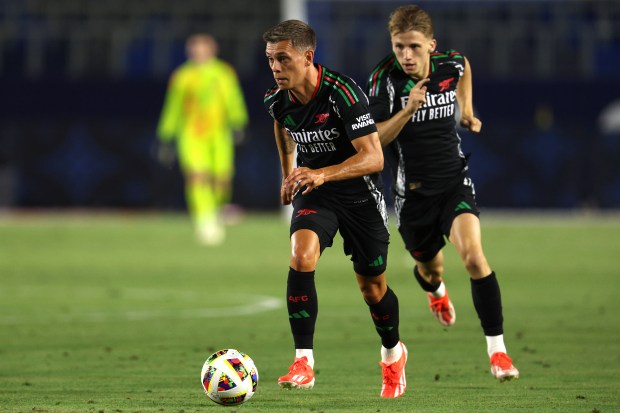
{"x": 426, "y": 286}
{"x": 488, "y": 303}
{"x": 302, "y": 307}
{"x": 385, "y": 316}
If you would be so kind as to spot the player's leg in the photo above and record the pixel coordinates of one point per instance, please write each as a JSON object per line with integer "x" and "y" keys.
{"x": 223, "y": 168}
{"x": 308, "y": 239}
{"x": 302, "y": 307}
{"x": 383, "y": 305}
{"x": 418, "y": 220}
{"x": 202, "y": 207}
{"x": 194, "y": 157}
{"x": 429, "y": 275}
{"x": 465, "y": 234}
{"x": 366, "y": 239}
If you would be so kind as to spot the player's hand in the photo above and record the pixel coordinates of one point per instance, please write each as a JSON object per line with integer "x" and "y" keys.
{"x": 283, "y": 197}
{"x": 299, "y": 178}
{"x": 239, "y": 136}
{"x": 167, "y": 154}
{"x": 471, "y": 123}
{"x": 417, "y": 97}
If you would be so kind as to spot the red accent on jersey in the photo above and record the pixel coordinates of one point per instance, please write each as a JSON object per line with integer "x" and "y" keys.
{"x": 321, "y": 117}
{"x": 445, "y": 84}
{"x": 318, "y": 81}
{"x": 305, "y": 212}
{"x": 337, "y": 84}
{"x": 298, "y": 298}
{"x": 316, "y": 88}
{"x": 291, "y": 97}
{"x": 375, "y": 84}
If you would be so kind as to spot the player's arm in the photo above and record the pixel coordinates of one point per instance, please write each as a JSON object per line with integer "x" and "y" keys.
{"x": 389, "y": 129}
{"x": 286, "y": 150}
{"x": 172, "y": 110}
{"x": 465, "y": 101}
{"x": 234, "y": 99}
{"x": 367, "y": 160}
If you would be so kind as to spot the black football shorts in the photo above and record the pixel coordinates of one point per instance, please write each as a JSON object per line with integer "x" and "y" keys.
{"x": 424, "y": 220}
{"x": 361, "y": 224}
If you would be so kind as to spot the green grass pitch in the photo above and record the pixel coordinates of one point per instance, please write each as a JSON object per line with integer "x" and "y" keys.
{"x": 117, "y": 313}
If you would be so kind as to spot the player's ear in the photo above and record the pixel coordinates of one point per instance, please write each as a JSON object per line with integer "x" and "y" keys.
{"x": 309, "y": 57}
{"x": 433, "y": 45}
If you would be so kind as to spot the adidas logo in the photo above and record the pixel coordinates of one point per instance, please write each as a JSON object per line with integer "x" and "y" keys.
{"x": 377, "y": 262}
{"x": 301, "y": 314}
{"x": 462, "y": 205}
{"x": 410, "y": 85}
{"x": 288, "y": 121}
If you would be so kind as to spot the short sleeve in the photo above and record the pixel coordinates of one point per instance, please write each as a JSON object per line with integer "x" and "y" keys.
{"x": 351, "y": 104}
{"x": 378, "y": 88}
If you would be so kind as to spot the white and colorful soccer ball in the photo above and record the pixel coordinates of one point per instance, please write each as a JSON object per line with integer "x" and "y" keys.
{"x": 229, "y": 377}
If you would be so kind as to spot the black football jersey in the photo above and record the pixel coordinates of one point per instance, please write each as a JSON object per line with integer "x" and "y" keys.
{"x": 427, "y": 153}
{"x": 324, "y": 127}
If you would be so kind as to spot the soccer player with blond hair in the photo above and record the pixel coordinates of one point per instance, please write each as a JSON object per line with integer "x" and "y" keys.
{"x": 413, "y": 95}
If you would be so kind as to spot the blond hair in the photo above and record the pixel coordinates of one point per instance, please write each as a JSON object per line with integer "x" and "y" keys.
{"x": 407, "y": 18}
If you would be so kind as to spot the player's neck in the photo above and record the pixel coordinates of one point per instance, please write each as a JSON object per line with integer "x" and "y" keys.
{"x": 305, "y": 91}
{"x": 202, "y": 61}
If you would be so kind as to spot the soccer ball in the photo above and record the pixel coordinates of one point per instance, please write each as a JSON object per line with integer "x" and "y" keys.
{"x": 229, "y": 377}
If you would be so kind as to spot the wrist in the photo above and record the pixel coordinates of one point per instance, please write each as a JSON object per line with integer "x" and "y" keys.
{"x": 322, "y": 175}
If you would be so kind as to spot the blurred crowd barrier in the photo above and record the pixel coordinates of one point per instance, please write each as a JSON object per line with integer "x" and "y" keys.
{"x": 83, "y": 82}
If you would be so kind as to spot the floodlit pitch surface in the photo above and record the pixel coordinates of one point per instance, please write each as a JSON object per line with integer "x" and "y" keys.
{"x": 117, "y": 313}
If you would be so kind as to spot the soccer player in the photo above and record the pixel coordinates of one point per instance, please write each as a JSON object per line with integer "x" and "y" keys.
{"x": 412, "y": 95}
{"x": 336, "y": 187}
{"x": 204, "y": 107}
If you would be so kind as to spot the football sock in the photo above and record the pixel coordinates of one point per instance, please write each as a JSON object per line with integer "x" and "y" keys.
{"x": 440, "y": 291}
{"x": 223, "y": 192}
{"x": 429, "y": 287}
{"x": 385, "y": 316}
{"x": 495, "y": 344}
{"x": 305, "y": 352}
{"x": 391, "y": 355}
{"x": 488, "y": 303}
{"x": 302, "y": 307}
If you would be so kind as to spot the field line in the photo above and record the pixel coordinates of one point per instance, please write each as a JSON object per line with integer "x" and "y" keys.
{"x": 259, "y": 304}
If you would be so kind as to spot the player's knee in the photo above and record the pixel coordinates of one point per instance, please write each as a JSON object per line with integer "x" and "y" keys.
{"x": 475, "y": 263}
{"x": 303, "y": 259}
{"x": 372, "y": 292}
{"x": 198, "y": 178}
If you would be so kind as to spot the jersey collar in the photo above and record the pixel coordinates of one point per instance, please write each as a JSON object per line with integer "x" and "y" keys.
{"x": 317, "y": 87}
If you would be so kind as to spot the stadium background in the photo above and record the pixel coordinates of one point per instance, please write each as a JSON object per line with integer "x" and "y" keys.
{"x": 83, "y": 83}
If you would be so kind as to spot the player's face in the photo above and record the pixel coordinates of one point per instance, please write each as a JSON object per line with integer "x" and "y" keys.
{"x": 200, "y": 49}
{"x": 287, "y": 64}
{"x": 412, "y": 49}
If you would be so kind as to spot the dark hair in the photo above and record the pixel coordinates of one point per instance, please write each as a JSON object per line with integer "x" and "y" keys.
{"x": 301, "y": 35}
{"x": 407, "y": 18}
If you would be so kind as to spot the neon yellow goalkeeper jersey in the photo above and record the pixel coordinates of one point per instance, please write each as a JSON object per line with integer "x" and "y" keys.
{"x": 203, "y": 102}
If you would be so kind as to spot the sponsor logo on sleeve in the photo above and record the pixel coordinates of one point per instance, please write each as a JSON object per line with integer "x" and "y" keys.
{"x": 363, "y": 121}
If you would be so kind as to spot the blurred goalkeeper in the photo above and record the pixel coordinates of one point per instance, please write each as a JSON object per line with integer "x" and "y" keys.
{"x": 205, "y": 112}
